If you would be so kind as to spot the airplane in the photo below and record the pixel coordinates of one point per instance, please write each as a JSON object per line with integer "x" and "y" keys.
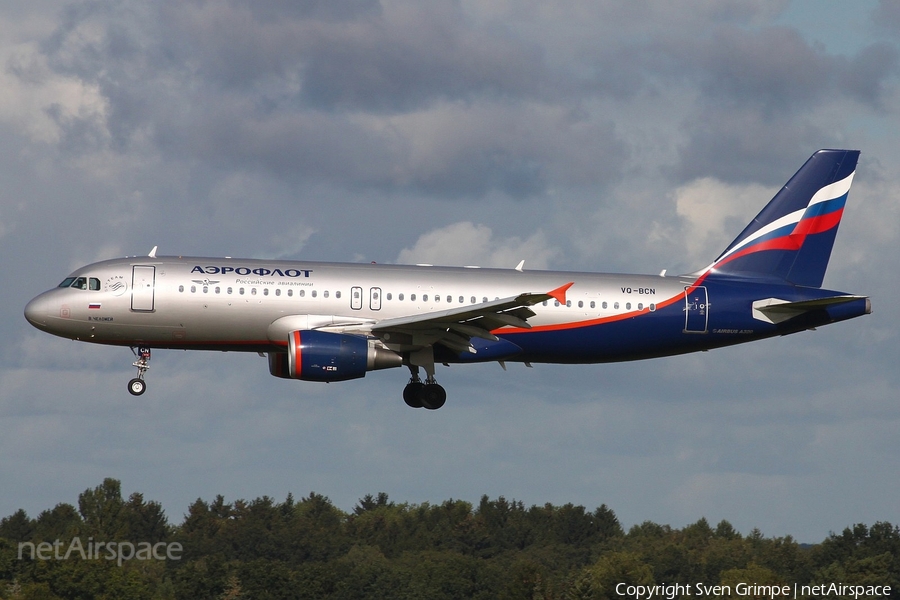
{"x": 328, "y": 322}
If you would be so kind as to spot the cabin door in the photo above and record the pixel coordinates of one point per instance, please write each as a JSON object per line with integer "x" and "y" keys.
{"x": 696, "y": 310}
{"x": 143, "y": 279}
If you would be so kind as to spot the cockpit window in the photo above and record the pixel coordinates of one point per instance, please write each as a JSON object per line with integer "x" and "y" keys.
{"x": 81, "y": 283}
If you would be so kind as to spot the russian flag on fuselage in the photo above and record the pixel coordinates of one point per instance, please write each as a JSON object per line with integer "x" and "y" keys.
{"x": 791, "y": 239}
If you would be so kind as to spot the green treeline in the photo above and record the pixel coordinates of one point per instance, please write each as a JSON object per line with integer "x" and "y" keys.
{"x": 308, "y": 548}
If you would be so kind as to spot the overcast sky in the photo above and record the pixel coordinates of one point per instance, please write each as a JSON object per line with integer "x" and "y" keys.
{"x": 602, "y": 136}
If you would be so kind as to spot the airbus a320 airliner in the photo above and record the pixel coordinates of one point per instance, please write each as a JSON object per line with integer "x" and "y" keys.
{"x": 337, "y": 321}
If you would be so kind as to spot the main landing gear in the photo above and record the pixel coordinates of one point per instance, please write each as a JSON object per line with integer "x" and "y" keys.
{"x": 138, "y": 386}
{"x": 416, "y": 394}
{"x": 430, "y": 395}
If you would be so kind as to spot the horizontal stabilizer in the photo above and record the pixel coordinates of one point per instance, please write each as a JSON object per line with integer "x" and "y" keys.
{"x": 775, "y": 310}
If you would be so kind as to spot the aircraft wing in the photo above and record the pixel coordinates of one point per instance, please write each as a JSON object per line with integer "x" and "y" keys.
{"x": 455, "y": 328}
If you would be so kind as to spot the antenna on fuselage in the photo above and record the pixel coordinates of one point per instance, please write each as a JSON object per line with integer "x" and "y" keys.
{"x": 520, "y": 266}
{"x": 153, "y": 252}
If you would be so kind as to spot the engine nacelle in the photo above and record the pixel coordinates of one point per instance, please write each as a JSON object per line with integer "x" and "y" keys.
{"x": 322, "y": 356}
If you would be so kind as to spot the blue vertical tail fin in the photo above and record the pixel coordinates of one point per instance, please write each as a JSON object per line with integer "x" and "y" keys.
{"x": 791, "y": 239}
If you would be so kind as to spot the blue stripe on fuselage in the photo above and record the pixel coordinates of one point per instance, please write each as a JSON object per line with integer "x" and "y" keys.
{"x": 661, "y": 333}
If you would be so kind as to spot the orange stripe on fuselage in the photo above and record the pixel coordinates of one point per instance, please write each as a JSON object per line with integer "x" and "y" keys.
{"x": 598, "y": 321}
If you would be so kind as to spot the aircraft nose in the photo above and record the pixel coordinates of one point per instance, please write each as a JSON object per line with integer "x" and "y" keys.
{"x": 36, "y": 311}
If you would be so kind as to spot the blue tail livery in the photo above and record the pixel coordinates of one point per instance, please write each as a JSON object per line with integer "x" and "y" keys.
{"x": 318, "y": 321}
{"x": 791, "y": 239}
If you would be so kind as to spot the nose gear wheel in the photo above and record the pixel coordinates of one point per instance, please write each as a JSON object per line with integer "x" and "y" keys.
{"x": 138, "y": 386}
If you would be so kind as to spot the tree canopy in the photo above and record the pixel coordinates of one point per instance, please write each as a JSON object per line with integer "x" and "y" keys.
{"x": 308, "y": 548}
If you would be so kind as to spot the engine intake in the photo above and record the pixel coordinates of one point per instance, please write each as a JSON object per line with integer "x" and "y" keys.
{"x": 322, "y": 356}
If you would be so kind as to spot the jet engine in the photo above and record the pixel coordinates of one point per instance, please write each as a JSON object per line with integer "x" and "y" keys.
{"x": 322, "y": 356}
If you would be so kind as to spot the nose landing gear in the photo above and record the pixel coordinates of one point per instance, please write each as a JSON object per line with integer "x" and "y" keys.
{"x": 138, "y": 386}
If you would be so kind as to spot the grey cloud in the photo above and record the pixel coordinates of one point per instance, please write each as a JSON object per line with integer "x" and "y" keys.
{"x": 383, "y": 61}
{"x": 771, "y": 69}
{"x": 774, "y": 68}
{"x": 758, "y": 149}
{"x": 431, "y": 54}
{"x": 760, "y": 90}
{"x": 866, "y": 75}
{"x": 887, "y": 16}
{"x": 336, "y": 10}
{"x": 218, "y": 84}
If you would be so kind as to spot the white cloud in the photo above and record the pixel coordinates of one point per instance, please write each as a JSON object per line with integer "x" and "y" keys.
{"x": 715, "y": 212}
{"x": 465, "y": 243}
{"x": 38, "y": 101}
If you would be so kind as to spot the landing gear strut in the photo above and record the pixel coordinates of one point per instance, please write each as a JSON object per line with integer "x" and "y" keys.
{"x": 431, "y": 394}
{"x": 138, "y": 386}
